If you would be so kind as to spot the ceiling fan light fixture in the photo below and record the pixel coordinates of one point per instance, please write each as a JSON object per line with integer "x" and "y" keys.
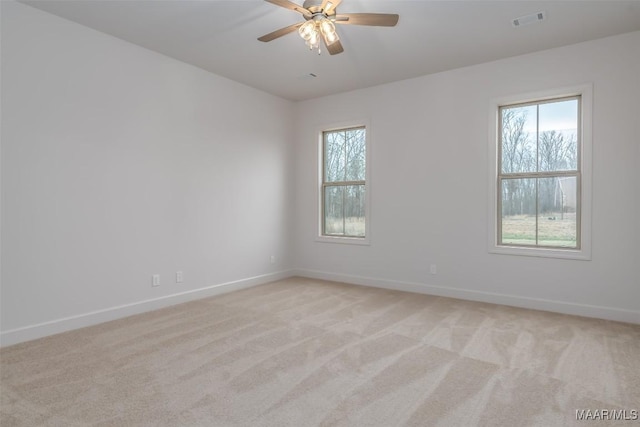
{"x": 314, "y": 41}
{"x": 310, "y": 34}
{"x": 328, "y": 30}
{"x": 307, "y": 30}
{"x": 320, "y": 23}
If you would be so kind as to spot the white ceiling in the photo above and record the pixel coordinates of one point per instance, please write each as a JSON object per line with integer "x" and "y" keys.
{"x": 431, "y": 36}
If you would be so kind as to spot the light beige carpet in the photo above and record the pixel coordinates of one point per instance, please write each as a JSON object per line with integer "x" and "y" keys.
{"x": 303, "y": 352}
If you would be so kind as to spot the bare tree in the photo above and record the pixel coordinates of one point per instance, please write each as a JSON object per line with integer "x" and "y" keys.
{"x": 517, "y": 155}
{"x": 556, "y": 152}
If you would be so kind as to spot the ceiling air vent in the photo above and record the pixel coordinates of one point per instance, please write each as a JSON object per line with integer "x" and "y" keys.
{"x": 529, "y": 19}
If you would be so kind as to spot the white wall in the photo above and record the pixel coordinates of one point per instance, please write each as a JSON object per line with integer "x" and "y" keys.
{"x": 119, "y": 163}
{"x": 429, "y": 185}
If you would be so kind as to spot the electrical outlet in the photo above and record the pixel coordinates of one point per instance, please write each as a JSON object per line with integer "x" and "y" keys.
{"x": 179, "y": 277}
{"x": 273, "y": 259}
{"x": 155, "y": 280}
{"x": 433, "y": 269}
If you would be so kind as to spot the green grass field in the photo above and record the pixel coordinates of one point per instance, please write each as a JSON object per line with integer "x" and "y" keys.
{"x": 353, "y": 226}
{"x": 554, "y": 230}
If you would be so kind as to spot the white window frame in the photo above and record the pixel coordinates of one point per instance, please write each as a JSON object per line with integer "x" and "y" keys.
{"x": 585, "y": 91}
{"x": 366, "y": 240}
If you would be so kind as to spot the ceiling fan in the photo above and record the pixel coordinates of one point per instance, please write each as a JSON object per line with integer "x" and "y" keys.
{"x": 320, "y": 19}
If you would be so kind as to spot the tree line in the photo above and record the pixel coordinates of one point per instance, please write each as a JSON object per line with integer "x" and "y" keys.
{"x": 525, "y": 152}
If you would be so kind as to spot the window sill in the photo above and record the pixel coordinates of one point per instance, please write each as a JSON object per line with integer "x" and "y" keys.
{"x": 344, "y": 240}
{"x": 574, "y": 254}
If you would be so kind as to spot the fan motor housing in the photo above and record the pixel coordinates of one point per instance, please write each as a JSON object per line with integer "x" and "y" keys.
{"x": 315, "y": 7}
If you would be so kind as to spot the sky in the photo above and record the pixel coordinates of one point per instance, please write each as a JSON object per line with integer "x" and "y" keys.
{"x": 559, "y": 116}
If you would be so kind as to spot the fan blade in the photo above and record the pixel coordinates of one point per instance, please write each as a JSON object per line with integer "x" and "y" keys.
{"x": 291, "y": 6}
{"x": 279, "y": 33}
{"x": 329, "y": 6}
{"x": 334, "y": 48}
{"x": 374, "y": 19}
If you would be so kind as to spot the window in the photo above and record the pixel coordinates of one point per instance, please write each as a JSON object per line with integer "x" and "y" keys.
{"x": 541, "y": 204}
{"x": 343, "y": 195}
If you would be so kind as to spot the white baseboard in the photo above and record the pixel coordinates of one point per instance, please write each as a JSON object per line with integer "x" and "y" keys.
{"x": 600, "y": 312}
{"x": 28, "y": 333}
